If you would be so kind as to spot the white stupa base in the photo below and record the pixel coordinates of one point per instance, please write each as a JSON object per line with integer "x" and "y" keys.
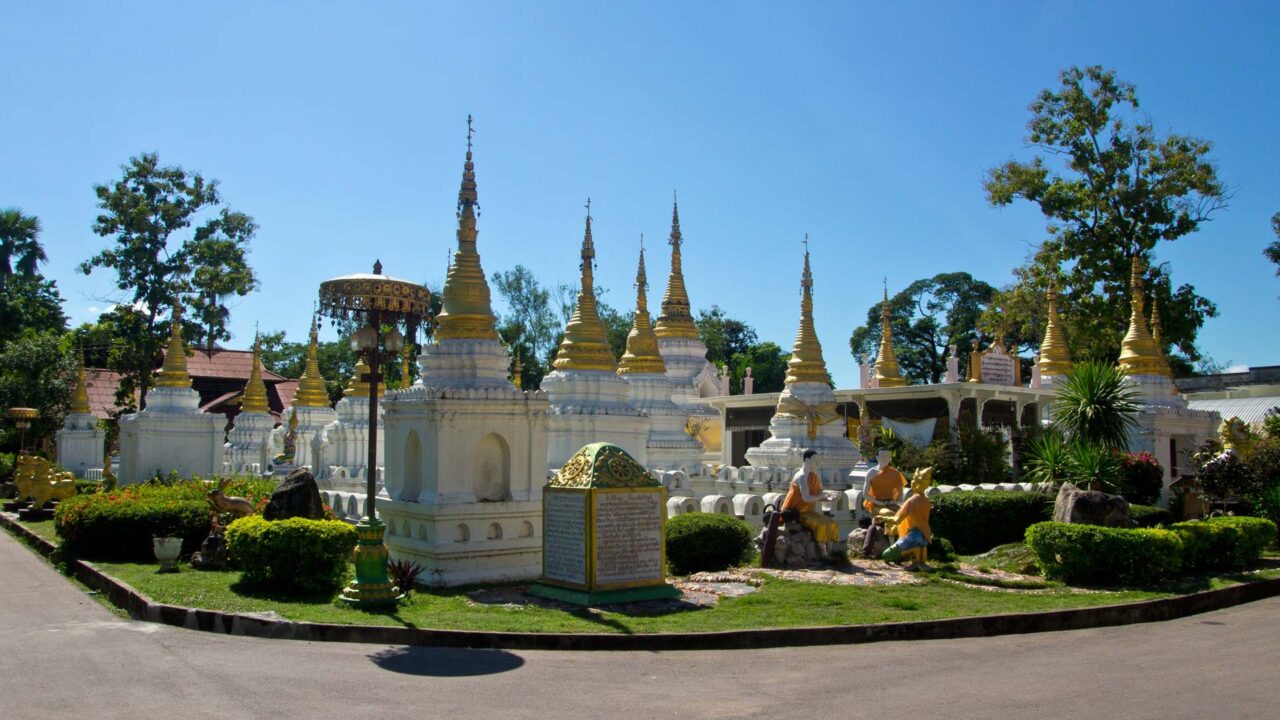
{"x": 668, "y": 445}
{"x": 171, "y": 434}
{"x": 80, "y": 444}
{"x": 467, "y": 543}
{"x": 590, "y": 406}
{"x": 465, "y": 363}
{"x": 340, "y": 453}
{"x": 789, "y": 438}
{"x": 1155, "y": 390}
{"x": 692, "y": 375}
{"x": 311, "y": 424}
{"x": 1168, "y": 429}
{"x": 248, "y": 448}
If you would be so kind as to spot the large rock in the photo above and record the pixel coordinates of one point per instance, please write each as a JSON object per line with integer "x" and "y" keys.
{"x": 1090, "y": 507}
{"x": 297, "y": 496}
{"x": 857, "y": 539}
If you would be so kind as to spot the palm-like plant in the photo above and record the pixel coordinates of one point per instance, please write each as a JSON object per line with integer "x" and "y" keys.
{"x": 1049, "y": 458}
{"x": 1093, "y": 466}
{"x": 20, "y": 248}
{"x": 1095, "y": 406}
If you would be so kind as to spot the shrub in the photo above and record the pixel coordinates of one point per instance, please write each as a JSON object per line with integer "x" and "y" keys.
{"x": 941, "y": 549}
{"x": 979, "y": 520}
{"x": 1224, "y": 542}
{"x": 1047, "y": 458}
{"x": 1145, "y": 516}
{"x": 1095, "y": 555}
{"x": 700, "y": 542}
{"x": 1141, "y": 478}
{"x": 296, "y": 555}
{"x": 120, "y": 525}
{"x": 7, "y": 464}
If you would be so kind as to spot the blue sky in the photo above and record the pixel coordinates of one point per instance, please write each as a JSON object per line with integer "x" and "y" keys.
{"x": 341, "y": 129}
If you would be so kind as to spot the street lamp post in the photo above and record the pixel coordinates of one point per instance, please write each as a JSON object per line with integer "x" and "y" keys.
{"x": 373, "y": 299}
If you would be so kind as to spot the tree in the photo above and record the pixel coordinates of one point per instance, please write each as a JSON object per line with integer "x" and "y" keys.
{"x": 20, "y": 248}
{"x": 530, "y": 327}
{"x": 768, "y": 365}
{"x": 1096, "y": 406}
{"x": 336, "y": 359}
{"x": 1111, "y": 188}
{"x": 141, "y": 213}
{"x": 37, "y": 370}
{"x": 724, "y": 336}
{"x": 105, "y": 344}
{"x": 30, "y": 303}
{"x": 218, "y": 269}
{"x": 1272, "y": 251}
{"x": 926, "y": 317}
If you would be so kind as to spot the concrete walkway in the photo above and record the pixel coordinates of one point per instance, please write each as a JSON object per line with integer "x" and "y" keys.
{"x": 62, "y": 655}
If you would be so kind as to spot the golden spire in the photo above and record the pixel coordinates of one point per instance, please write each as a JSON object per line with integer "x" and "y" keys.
{"x": 80, "y": 398}
{"x": 517, "y": 370}
{"x": 1157, "y": 338}
{"x": 1055, "y": 355}
{"x": 642, "y": 354}
{"x": 311, "y": 391}
{"x": 465, "y": 310}
{"x": 887, "y": 373}
{"x": 406, "y": 377}
{"x": 1138, "y": 352}
{"x": 806, "y": 363}
{"x": 174, "y": 371}
{"x": 255, "y": 391}
{"x": 358, "y": 385}
{"x": 676, "y": 318}
{"x": 586, "y": 341}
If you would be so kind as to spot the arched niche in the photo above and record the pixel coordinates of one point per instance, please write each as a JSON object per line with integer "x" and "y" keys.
{"x": 412, "y": 485}
{"x": 492, "y": 482}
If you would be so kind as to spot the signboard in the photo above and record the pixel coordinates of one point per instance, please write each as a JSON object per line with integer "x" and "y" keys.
{"x": 564, "y": 529}
{"x": 628, "y": 537}
{"x": 994, "y": 366}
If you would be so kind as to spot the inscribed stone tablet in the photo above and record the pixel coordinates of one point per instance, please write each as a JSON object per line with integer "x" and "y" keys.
{"x": 997, "y": 368}
{"x": 628, "y": 537}
{"x": 564, "y": 543}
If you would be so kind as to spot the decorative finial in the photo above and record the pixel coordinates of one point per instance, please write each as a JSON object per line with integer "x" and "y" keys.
{"x": 377, "y": 267}
{"x": 1138, "y": 352}
{"x": 1055, "y": 355}
{"x": 806, "y": 363}
{"x": 641, "y": 354}
{"x": 886, "y": 368}
{"x": 466, "y": 312}
{"x": 586, "y": 340}
{"x": 470, "y": 132}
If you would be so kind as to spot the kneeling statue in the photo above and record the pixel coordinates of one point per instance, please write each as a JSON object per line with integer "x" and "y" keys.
{"x": 911, "y": 522}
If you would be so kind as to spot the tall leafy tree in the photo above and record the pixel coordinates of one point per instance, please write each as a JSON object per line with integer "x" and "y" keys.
{"x": 768, "y": 365}
{"x": 106, "y": 344}
{"x": 143, "y": 213}
{"x": 219, "y": 269}
{"x": 530, "y": 326}
{"x": 1272, "y": 251}
{"x": 30, "y": 303}
{"x": 1111, "y": 187}
{"x": 36, "y": 370}
{"x": 926, "y": 318}
{"x": 20, "y": 248}
{"x": 724, "y": 336}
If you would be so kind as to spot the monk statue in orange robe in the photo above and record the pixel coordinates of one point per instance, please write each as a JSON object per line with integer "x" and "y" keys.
{"x": 884, "y": 487}
{"x": 803, "y": 497}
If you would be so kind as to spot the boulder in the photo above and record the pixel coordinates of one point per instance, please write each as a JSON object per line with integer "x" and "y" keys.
{"x": 1090, "y": 507}
{"x": 858, "y": 538}
{"x": 297, "y": 496}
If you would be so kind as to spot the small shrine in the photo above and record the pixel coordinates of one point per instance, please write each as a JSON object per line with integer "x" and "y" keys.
{"x": 171, "y": 434}
{"x": 311, "y": 409}
{"x": 589, "y": 400}
{"x": 80, "y": 441}
{"x": 341, "y": 450}
{"x": 248, "y": 448}
{"x": 604, "y": 538}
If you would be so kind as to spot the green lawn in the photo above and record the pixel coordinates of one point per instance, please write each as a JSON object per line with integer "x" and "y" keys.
{"x": 43, "y": 528}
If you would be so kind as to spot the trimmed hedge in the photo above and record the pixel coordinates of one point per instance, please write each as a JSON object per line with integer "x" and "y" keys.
{"x": 1145, "y": 516}
{"x": 1095, "y": 555}
{"x": 1223, "y": 542}
{"x": 978, "y": 520}
{"x": 705, "y": 542}
{"x": 119, "y": 525}
{"x": 293, "y": 555}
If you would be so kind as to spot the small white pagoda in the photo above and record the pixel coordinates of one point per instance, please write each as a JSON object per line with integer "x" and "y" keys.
{"x": 466, "y": 449}
{"x": 311, "y": 407}
{"x": 80, "y": 439}
{"x": 340, "y": 453}
{"x": 170, "y": 433}
{"x": 590, "y": 402}
{"x": 806, "y": 415}
{"x": 249, "y": 447}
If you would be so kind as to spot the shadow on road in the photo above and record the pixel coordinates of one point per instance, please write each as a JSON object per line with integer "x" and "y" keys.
{"x": 446, "y": 662}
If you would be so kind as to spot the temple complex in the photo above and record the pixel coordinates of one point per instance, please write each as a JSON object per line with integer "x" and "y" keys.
{"x": 590, "y": 402}
{"x": 466, "y": 449}
{"x": 171, "y": 433}
{"x": 80, "y": 439}
{"x": 340, "y": 452}
{"x": 249, "y": 447}
{"x": 669, "y": 446}
{"x": 1167, "y": 427}
{"x": 805, "y": 416}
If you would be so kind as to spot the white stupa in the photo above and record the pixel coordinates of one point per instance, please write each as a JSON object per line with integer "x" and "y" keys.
{"x": 80, "y": 439}
{"x": 249, "y": 447}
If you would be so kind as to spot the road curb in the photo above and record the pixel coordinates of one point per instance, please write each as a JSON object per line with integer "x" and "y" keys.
{"x": 141, "y": 607}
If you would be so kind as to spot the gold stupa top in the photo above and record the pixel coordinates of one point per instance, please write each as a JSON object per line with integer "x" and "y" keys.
{"x": 80, "y": 397}
{"x": 1138, "y": 352}
{"x": 358, "y": 386}
{"x": 465, "y": 311}
{"x": 642, "y": 354}
{"x": 311, "y": 391}
{"x": 586, "y": 341}
{"x": 806, "y": 363}
{"x": 1055, "y": 355}
{"x": 676, "y": 318}
{"x": 887, "y": 372}
{"x": 1165, "y": 368}
{"x": 174, "y": 371}
{"x": 255, "y": 391}
{"x": 517, "y": 370}
{"x": 406, "y": 365}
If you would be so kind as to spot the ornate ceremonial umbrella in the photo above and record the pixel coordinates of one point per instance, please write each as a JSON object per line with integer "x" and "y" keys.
{"x": 374, "y": 301}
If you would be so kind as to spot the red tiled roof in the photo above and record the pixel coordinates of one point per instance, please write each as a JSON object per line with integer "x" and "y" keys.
{"x": 223, "y": 363}
{"x": 286, "y": 390}
{"x": 101, "y": 387}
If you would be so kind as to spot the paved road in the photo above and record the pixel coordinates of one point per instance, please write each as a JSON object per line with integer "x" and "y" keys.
{"x": 62, "y": 655}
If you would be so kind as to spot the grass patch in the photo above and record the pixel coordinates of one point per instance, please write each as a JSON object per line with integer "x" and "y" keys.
{"x": 43, "y": 528}
{"x": 1014, "y": 558}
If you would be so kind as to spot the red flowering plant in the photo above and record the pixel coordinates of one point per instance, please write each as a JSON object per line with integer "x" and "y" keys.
{"x": 1141, "y": 478}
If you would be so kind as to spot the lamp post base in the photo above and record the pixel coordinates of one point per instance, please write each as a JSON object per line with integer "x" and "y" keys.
{"x": 372, "y": 587}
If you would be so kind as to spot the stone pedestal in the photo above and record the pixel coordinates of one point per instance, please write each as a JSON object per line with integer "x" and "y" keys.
{"x": 249, "y": 448}
{"x": 80, "y": 443}
{"x": 170, "y": 434}
{"x": 590, "y": 406}
{"x": 789, "y": 437}
{"x": 340, "y": 452}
